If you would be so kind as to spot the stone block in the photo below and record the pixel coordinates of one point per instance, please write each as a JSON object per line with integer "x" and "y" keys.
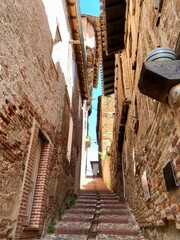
{"x": 157, "y": 78}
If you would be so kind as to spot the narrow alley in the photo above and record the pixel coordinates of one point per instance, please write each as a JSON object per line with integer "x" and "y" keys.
{"x": 90, "y": 119}
{"x": 98, "y": 214}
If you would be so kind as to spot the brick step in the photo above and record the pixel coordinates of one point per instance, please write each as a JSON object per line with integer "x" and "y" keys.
{"x": 77, "y": 206}
{"x": 121, "y": 232}
{"x": 76, "y": 219}
{"x": 109, "y": 198}
{"x": 116, "y": 237}
{"x": 115, "y": 206}
{"x": 72, "y": 228}
{"x": 114, "y": 219}
{"x": 110, "y": 201}
{"x": 87, "y": 198}
{"x": 104, "y": 192}
{"x": 88, "y": 194}
{"x": 78, "y": 215}
{"x": 88, "y": 191}
{"x": 66, "y": 237}
{"x": 114, "y": 212}
{"x": 118, "y": 226}
{"x": 29, "y": 232}
{"x": 86, "y": 202}
{"x": 80, "y": 211}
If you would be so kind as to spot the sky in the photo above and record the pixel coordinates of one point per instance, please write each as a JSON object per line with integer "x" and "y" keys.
{"x": 92, "y": 7}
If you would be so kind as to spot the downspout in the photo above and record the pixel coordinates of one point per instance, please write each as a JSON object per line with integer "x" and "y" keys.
{"x": 82, "y": 44}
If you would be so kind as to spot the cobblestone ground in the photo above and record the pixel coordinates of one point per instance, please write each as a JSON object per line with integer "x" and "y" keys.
{"x": 97, "y": 214}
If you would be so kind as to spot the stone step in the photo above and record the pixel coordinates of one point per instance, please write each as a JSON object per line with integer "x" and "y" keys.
{"x": 80, "y": 211}
{"x": 114, "y": 212}
{"x": 104, "y": 192}
{"x": 86, "y": 197}
{"x": 121, "y": 232}
{"x": 86, "y": 202}
{"x": 72, "y": 228}
{"x": 111, "y": 206}
{"x": 64, "y": 237}
{"x": 118, "y": 226}
{"x": 75, "y": 218}
{"x": 82, "y": 205}
{"x": 117, "y": 237}
{"x": 78, "y": 216}
{"x": 103, "y": 201}
{"x": 109, "y": 197}
{"x": 29, "y": 232}
{"x": 113, "y": 219}
{"x": 97, "y": 215}
{"x": 88, "y": 192}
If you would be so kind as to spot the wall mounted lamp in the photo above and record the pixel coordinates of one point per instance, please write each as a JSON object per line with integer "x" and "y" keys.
{"x": 160, "y": 72}
{"x": 170, "y": 177}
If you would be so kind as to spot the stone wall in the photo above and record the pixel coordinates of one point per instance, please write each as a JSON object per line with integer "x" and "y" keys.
{"x": 152, "y": 136}
{"x": 106, "y": 122}
{"x": 32, "y": 90}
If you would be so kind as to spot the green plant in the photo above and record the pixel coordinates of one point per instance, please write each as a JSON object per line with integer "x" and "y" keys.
{"x": 51, "y": 226}
{"x": 108, "y": 153}
{"x": 88, "y": 141}
{"x": 102, "y": 156}
{"x": 60, "y": 211}
{"x": 70, "y": 202}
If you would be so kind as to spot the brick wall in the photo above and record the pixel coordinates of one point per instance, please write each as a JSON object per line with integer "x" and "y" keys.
{"x": 106, "y": 121}
{"x": 32, "y": 90}
{"x": 75, "y": 162}
{"x": 157, "y": 139}
{"x": 16, "y": 122}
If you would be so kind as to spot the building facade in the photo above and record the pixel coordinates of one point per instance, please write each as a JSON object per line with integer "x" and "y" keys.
{"x": 146, "y": 142}
{"x": 106, "y": 111}
{"x": 43, "y": 86}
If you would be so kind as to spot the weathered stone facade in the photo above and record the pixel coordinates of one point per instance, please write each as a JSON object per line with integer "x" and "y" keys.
{"x": 147, "y": 132}
{"x": 105, "y": 135}
{"x": 35, "y": 107}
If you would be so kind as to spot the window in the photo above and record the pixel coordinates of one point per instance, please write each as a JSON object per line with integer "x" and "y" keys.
{"x": 130, "y": 45}
{"x": 70, "y": 138}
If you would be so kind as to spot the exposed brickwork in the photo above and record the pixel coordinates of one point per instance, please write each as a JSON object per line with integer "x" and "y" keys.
{"x": 78, "y": 223}
{"x": 77, "y": 136}
{"x": 151, "y": 135}
{"x": 105, "y": 133}
{"x": 32, "y": 90}
{"x": 38, "y": 209}
{"x": 28, "y": 176}
{"x": 16, "y": 122}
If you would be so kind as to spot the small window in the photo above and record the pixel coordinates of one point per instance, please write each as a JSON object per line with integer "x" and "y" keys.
{"x": 130, "y": 45}
{"x": 158, "y": 5}
{"x": 57, "y": 36}
{"x": 70, "y": 139}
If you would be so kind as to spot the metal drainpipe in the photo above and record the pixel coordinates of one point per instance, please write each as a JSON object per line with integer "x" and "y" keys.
{"x": 82, "y": 42}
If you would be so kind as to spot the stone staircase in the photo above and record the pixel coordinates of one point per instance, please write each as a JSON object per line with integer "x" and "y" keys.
{"x": 97, "y": 215}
